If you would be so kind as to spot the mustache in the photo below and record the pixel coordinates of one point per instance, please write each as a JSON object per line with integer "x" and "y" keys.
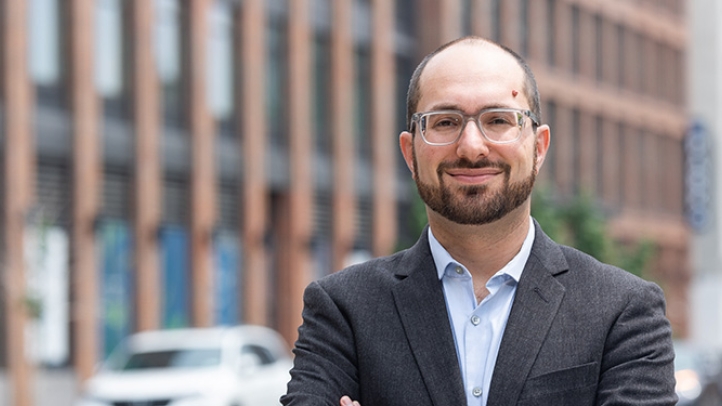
{"x": 463, "y": 163}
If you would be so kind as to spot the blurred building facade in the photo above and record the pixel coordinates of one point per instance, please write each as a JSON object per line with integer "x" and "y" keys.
{"x": 703, "y": 168}
{"x": 196, "y": 162}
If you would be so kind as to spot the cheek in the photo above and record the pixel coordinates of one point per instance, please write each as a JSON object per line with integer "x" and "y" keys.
{"x": 426, "y": 161}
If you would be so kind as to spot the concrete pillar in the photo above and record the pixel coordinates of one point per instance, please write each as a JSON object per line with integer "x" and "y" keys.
{"x": 383, "y": 128}
{"x": 202, "y": 176}
{"x": 18, "y": 185}
{"x": 587, "y": 141}
{"x": 253, "y": 150}
{"x": 148, "y": 168}
{"x": 296, "y": 253}
{"x": 87, "y": 176}
{"x": 481, "y": 23}
{"x": 342, "y": 105}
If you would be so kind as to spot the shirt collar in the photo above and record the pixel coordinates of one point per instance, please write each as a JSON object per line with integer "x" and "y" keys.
{"x": 514, "y": 268}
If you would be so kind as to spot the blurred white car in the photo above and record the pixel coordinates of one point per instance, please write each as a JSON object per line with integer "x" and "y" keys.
{"x": 219, "y": 366}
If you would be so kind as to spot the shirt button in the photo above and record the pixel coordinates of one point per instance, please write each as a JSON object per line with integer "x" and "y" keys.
{"x": 475, "y": 320}
{"x": 459, "y": 270}
{"x": 476, "y": 391}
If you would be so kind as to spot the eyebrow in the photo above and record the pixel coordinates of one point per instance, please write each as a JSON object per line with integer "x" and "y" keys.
{"x": 445, "y": 106}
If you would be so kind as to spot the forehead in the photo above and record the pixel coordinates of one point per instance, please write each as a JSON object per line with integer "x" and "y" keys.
{"x": 475, "y": 74}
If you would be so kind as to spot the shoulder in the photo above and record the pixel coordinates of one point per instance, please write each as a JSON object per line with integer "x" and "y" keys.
{"x": 374, "y": 272}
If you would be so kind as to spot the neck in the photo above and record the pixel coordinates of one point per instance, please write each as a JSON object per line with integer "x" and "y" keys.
{"x": 483, "y": 249}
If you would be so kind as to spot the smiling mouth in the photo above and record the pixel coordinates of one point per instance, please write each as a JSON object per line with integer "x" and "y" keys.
{"x": 474, "y": 176}
{"x": 467, "y": 172}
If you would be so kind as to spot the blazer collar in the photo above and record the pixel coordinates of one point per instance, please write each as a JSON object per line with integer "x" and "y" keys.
{"x": 535, "y": 306}
{"x": 420, "y": 301}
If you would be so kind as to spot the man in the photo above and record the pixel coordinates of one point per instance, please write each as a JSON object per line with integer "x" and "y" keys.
{"x": 485, "y": 309}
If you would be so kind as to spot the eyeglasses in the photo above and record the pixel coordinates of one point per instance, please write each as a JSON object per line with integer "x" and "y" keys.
{"x": 498, "y": 125}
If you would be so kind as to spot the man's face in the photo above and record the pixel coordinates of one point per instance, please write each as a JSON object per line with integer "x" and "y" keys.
{"x": 474, "y": 181}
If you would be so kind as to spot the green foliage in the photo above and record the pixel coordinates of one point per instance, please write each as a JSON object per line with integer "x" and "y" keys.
{"x": 580, "y": 224}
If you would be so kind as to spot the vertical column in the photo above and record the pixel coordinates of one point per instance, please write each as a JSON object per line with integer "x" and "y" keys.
{"x": 651, "y": 168}
{"x": 611, "y": 43}
{"x": 202, "y": 177}
{"x": 450, "y": 19}
{"x": 510, "y": 21}
{"x": 562, "y": 34}
{"x": 383, "y": 137}
{"x": 538, "y": 31}
{"x": 564, "y": 153}
{"x": 18, "y": 182}
{"x": 630, "y": 167}
{"x": 342, "y": 80}
{"x": 588, "y": 157}
{"x": 299, "y": 205}
{"x": 148, "y": 178}
{"x": 86, "y": 180}
{"x": 255, "y": 191}
{"x": 481, "y": 24}
{"x": 587, "y": 57}
{"x": 438, "y": 21}
{"x": 611, "y": 163}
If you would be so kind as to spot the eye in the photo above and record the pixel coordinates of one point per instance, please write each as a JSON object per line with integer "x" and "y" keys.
{"x": 498, "y": 119}
{"x": 444, "y": 122}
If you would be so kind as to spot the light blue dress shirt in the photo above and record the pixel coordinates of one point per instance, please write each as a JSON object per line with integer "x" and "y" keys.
{"x": 478, "y": 327}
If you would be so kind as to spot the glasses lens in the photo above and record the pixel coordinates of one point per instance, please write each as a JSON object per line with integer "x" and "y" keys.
{"x": 441, "y": 128}
{"x": 502, "y": 125}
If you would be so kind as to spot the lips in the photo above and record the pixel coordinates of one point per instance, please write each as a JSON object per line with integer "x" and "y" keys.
{"x": 473, "y": 172}
{"x": 474, "y": 175}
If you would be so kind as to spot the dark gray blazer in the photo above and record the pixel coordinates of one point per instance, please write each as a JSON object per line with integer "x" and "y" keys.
{"x": 580, "y": 333}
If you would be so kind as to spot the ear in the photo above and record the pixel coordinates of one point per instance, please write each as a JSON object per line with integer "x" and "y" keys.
{"x": 543, "y": 139}
{"x": 406, "y": 142}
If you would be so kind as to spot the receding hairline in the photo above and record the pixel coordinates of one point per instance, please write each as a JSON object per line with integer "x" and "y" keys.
{"x": 529, "y": 86}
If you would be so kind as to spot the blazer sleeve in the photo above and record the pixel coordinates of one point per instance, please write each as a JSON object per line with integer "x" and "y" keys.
{"x": 637, "y": 366}
{"x": 325, "y": 366}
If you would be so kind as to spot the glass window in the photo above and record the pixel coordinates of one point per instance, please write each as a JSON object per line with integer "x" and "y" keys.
{"x": 44, "y": 43}
{"x": 599, "y": 143}
{"x": 524, "y": 22}
{"x": 576, "y": 42}
{"x": 167, "y": 40}
{"x": 168, "y": 52}
{"x": 496, "y": 20}
{"x": 598, "y": 48}
{"x": 322, "y": 71}
{"x": 109, "y": 47}
{"x": 276, "y": 79}
{"x": 576, "y": 147}
{"x": 622, "y": 134}
{"x": 362, "y": 116}
{"x": 220, "y": 61}
{"x": 405, "y": 16}
{"x": 551, "y": 32}
{"x": 622, "y": 61}
{"x": 466, "y": 17}
{"x": 551, "y": 120}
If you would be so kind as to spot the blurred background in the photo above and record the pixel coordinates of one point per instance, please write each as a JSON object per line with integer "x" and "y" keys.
{"x": 193, "y": 163}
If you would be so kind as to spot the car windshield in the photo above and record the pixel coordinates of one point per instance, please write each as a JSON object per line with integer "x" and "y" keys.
{"x": 180, "y": 358}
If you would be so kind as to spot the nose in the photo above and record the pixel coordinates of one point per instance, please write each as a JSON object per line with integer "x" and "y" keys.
{"x": 472, "y": 144}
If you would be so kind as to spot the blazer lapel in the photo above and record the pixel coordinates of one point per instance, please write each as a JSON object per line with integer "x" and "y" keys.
{"x": 536, "y": 303}
{"x": 419, "y": 299}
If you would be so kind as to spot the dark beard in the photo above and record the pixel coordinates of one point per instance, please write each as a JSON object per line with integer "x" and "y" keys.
{"x": 475, "y": 205}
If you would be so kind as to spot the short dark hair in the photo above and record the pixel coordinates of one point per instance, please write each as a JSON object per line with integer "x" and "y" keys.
{"x": 530, "y": 90}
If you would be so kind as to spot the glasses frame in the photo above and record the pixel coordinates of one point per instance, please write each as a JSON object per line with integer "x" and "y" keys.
{"x": 417, "y": 118}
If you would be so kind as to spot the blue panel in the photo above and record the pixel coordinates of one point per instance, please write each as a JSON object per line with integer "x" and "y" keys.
{"x": 116, "y": 283}
{"x": 227, "y": 284}
{"x": 174, "y": 247}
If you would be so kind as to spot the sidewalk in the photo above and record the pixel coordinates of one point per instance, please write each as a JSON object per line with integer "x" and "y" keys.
{"x": 53, "y": 387}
